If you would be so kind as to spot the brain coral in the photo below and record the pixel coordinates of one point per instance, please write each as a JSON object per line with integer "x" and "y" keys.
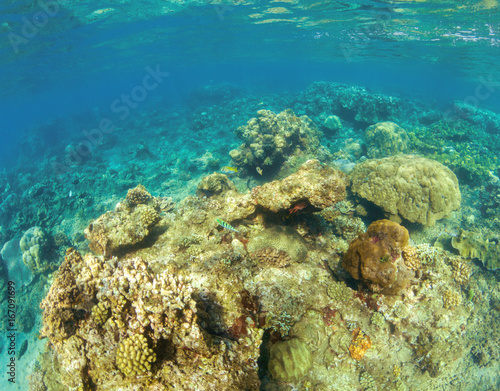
{"x": 374, "y": 257}
{"x": 271, "y": 138}
{"x": 314, "y": 184}
{"x": 409, "y": 187}
{"x": 385, "y": 139}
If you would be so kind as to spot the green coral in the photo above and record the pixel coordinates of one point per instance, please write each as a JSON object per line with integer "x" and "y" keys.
{"x": 386, "y": 139}
{"x": 378, "y": 319}
{"x": 289, "y": 360}
{"x": 339, "y": 291}
{"x": 100, "y": 312}
{"x": 469, "y": 152}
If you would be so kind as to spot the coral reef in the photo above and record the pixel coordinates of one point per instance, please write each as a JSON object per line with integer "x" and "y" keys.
{"x": 129, "y": 224}
{"x": 313, "y": 185}
{"x": 374, "y": 257}
{"x": 270, "y": 139}
{"x": 408, "y": 187}
{"x": 385, "y": 139}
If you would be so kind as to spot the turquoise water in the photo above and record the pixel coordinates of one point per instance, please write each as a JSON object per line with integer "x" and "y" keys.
{"x": 98, "y": 98}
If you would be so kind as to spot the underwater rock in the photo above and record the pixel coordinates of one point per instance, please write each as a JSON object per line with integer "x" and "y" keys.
{"x": 413, "y": 188}
{"x": 313, "y": 185}
{"x": 272, "y": 138}
{"x": 215, "y": 184}
{"x": 289, "y": 360}
{"x": 374, "y": 258}
{"x": 129, "y": 224}
{"x": 34, "y": 244}
{"x": 385, "y": 139}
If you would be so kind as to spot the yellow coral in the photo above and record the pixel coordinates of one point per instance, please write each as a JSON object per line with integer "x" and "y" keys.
{"x": 134, "y": 357}
{"x": 138, "y": 195}
{"x": 411, "y": 258}
{"x": 359, "y": 345}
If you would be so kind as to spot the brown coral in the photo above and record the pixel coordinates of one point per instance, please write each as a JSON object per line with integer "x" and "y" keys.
{"x": 129, "y": 224}
{"x": 214, "y": 184}
{"x": 273, "y": 257}
{"x": 374, "y": 257}
{"x": 60, "y": 313}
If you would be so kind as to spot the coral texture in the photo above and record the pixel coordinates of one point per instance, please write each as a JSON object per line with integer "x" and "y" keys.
{"x": 409, "y": 187}
{"x": 289, "y": 360}
{"x": 313, "y": 185}
{"x": 214, "y": 184}
{"x": 385, "y": 139}
{"x": 271, "y": 138}
{"x": 34, "y": 245}
{"x": 129, "y": 224}
{"x": 374, "y": 257}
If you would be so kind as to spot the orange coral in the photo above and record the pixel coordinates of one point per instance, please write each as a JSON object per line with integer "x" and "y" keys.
{"x": 360, "y": 344}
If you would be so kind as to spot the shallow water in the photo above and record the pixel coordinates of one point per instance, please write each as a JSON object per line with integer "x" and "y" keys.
{"x": 97, "y": 99}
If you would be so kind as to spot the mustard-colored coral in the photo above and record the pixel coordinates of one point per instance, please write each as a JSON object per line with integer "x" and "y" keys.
{"x": 134, "y": 357}
{"x": 410, "y": 256}
{"x": 359, "y": 345}
{"x": 451, "y": 298}
{"x": 408, "y": 187}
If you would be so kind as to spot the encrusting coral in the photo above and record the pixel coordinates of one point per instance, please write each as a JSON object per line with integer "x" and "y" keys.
{"x": 408, "y": 187}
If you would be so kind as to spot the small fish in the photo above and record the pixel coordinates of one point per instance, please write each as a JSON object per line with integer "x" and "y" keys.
{"x": 223, "y": 224}
{"x": 259, "y": 170}
{"x": 227, "y": 169}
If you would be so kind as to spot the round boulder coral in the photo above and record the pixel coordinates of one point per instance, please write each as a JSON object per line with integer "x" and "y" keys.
{"x": 408, "y": 187}
{"x": 289, "y": 360}
{"x": 385, "y": 139}
{"x": 374, "y": 257}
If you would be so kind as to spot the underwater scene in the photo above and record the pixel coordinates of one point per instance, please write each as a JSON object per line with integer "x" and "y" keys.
{"x": 244, "y": 195}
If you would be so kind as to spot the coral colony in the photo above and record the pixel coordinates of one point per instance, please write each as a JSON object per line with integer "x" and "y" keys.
{"x": 299, "y": 265}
